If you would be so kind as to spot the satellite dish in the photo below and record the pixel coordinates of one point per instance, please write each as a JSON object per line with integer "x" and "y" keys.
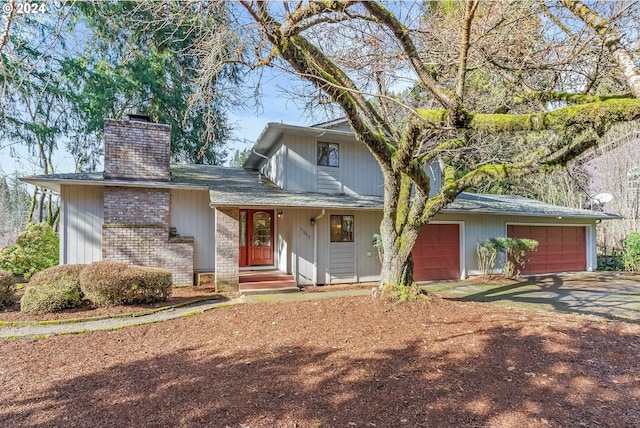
{"x": 603, "y": 198}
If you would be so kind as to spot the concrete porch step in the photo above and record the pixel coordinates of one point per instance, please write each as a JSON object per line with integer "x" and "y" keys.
{"x": 269, "y": 286}
{"x": 262, "y": 276}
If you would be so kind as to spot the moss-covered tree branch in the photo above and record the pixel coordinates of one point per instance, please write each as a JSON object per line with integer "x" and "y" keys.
{"x": 595, "y": 114}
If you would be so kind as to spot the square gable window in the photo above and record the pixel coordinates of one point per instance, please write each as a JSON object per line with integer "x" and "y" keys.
{"x": 328, "y": 154}
{"x": 341, "y": 228}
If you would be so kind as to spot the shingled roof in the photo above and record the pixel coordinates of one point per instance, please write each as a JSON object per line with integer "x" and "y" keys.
{"x": 247, "y": 188}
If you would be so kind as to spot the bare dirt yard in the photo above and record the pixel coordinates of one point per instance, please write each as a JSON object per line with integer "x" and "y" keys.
{"x": 349, "y": 362}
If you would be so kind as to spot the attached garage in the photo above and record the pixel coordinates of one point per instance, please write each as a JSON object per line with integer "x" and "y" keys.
{"x": 436, "y": 254}
{"x": 560, "y": 248}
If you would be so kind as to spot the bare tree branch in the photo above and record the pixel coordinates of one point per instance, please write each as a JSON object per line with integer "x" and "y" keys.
{"x": 469, "y": 11}
{"x": 611, "y": 39}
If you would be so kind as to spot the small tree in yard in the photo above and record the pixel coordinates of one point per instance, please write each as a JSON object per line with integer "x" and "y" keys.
{"x": 36, "y": 249}
{"x": 493, "y": 90}
{"x": 631, "y": 256}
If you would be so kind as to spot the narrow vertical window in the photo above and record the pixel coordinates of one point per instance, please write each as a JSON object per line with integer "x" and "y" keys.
{"x": 243, "y": 228}
{"x": 328, "y": 154}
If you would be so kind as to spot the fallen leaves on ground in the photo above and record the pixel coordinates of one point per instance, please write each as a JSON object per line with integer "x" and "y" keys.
{"x": 343, "y": 362}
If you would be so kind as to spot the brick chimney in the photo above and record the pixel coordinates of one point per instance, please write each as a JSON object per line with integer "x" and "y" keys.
{"x": 136, "y": 149}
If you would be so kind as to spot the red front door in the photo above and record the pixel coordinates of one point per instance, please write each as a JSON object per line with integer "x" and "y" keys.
{"x": 256, "y": 237}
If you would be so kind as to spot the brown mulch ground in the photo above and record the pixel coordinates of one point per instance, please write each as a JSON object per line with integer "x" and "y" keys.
{"x": 179, "y": 295}
{"x": 350, "y": 362}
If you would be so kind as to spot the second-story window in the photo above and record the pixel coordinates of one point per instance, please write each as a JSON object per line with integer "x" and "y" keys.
{"x": 328, "y": 154}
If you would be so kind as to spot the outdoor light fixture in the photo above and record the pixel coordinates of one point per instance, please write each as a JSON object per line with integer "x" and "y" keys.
{"x": 279, "y": 214}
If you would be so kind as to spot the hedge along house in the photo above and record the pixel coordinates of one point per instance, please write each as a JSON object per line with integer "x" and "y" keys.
{"x": 302, "y": 211}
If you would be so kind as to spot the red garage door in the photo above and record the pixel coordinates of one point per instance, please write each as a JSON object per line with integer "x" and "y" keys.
{"x": 436, "y": 254}
{"x": 560, "y": 248}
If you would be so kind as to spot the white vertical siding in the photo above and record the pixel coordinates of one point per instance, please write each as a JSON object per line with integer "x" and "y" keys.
{"x": 273, "y": 169}
{"x": 324, "y": 272}
{"x": 82, "y": 219}
{"x": 342, "y": 262}
{"x": 328, "y": 179}
{"x": 300, "y": 164}
{"x": 367, "y": 223}
{"x": 284, "y": 240}
{"x": 361, "y": 173}
{"x": 337, "y": 261}
{"x": 358, "y": 173}
{"x": 296, "y": 226}
{"x": 192, "y": 216}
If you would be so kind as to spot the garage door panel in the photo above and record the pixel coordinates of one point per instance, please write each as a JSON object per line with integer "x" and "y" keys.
{"x": 560, "y": 248}
{"x": 436, "y": 254}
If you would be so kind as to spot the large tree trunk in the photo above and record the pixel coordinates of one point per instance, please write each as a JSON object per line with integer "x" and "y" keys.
{"x": 398, "y": 239}
{"x": 396, "y": 271}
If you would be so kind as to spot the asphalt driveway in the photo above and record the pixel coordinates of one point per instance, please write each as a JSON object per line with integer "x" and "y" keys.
{"x": 615, "y": 295}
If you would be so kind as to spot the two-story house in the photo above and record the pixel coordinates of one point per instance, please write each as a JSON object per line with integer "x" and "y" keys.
{"x": 303, "y": 210}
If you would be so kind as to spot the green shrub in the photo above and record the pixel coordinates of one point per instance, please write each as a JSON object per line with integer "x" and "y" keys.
{"x": 517, "y": 254}
{"x": 113, "y": 283}
{"x": 7, "y": 288}
{"x": 631, "y": 256}
{"x": 610, "y": 262}
{"x": 53, "y": 289}
{"x": 36, "y": 249}
{"x": 488, "y": 254}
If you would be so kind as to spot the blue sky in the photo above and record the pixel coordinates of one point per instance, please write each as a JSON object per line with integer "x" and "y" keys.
{"x": 248, "y": 123}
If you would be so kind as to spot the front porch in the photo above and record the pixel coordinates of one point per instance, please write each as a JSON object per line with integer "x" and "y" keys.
{"x": 266, "y": 281}
{"x": 244, "y": 252}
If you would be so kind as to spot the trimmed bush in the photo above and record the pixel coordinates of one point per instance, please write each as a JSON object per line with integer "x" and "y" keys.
{"x": 7, "y": 288}
{"x": 53, "y": 289}
{"x": 631, "y": 256}
{"x": 108, "y": 283}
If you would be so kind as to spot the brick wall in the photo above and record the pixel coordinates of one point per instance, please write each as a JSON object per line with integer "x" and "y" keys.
{"x": 227, "y": 250}
{"x": 149, "y": 245}
{"x": 136, "y": 205}
{"x": 136, "y": 150}
{"x": 179, "y": 260}
{"x": 136, "y": 244}
{"x": 137, "y": 219}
